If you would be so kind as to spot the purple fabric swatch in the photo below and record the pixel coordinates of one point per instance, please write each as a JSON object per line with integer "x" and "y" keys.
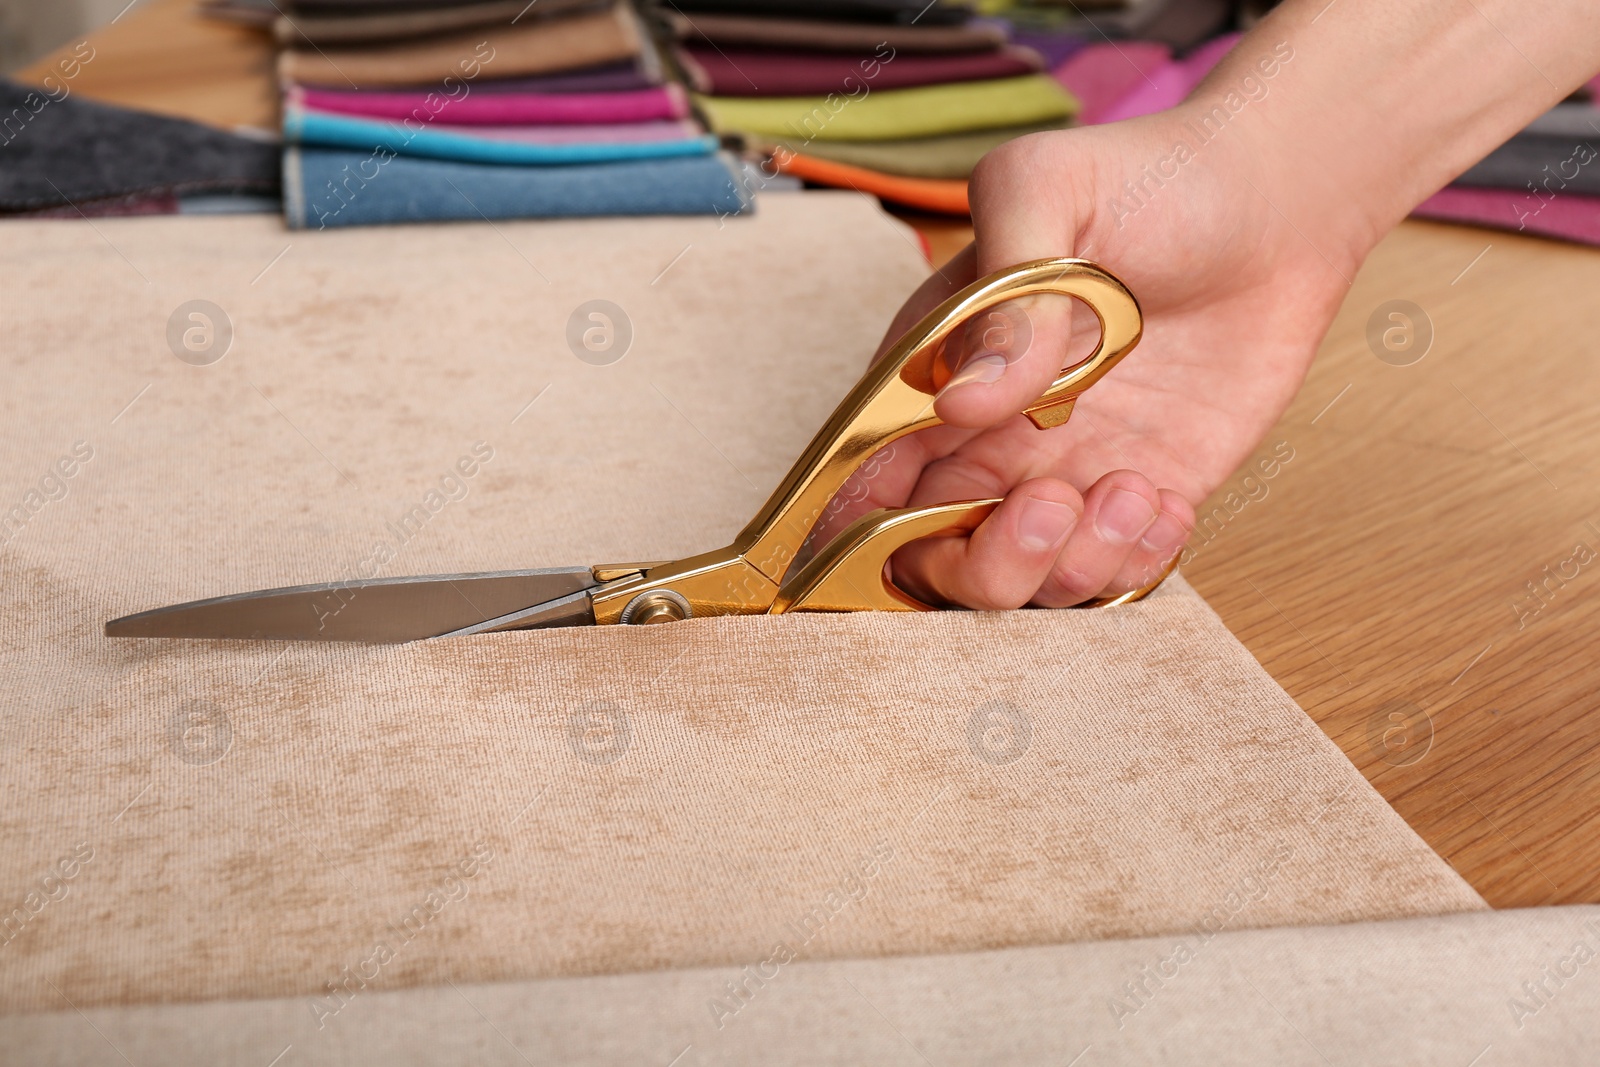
{"x": 1569, "y": 216}
{"x": 1099, "y": 75}
{"x": 504, "y": 109}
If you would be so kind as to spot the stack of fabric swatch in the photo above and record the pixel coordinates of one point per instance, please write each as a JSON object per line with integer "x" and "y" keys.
{"x": 415, "y": 110}
{"x": 898, "y": 98}
{"x": 1545, "y": 180}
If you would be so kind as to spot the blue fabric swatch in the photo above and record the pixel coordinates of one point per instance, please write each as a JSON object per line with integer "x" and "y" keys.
{"x": 346, "y": 131}
{"x": 326, "y": 187}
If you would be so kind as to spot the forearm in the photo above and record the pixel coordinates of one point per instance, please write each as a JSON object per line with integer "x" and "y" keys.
{"x": 1382, "y": 103}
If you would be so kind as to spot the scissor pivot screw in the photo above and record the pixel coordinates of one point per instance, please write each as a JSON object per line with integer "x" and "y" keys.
{"x": 658, "y": 605}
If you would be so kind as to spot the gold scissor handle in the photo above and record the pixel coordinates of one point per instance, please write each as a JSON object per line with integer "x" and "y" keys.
{"x": 896, "y": 396}
{"x": 849, "y": 574}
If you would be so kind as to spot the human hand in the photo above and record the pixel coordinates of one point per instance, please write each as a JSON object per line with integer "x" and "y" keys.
{"x": 1235, "y": 298}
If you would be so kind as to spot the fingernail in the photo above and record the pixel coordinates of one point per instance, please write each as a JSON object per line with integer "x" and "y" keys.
{"x": 1044, "y": 524}
{"x": 1165, "y": 534}
{"x": 983, "y": 369}
{"x": 1123, "y": 516}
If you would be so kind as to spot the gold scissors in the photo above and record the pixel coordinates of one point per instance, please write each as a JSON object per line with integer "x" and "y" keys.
{"x": 756, "y": 574}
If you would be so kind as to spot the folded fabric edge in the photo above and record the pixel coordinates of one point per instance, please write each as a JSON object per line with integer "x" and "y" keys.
{"x": 634, "y": 37}
{"x": 735, "y": 114}
{"x": 338, "y": 131}
{"x": 555, "y": 109}
{"x": 1573, "y": 217}
{"x": 342, "y": 28}
{"x": 1468, "y": 950}
{"x": 849, "y": 151}
{"x": 733, "y": 196}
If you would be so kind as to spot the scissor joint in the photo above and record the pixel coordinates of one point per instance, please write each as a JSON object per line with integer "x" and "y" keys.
{"x": 712, "y": 583}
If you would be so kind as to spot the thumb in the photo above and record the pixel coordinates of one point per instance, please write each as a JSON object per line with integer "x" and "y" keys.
{"x": 1004, "y": 359}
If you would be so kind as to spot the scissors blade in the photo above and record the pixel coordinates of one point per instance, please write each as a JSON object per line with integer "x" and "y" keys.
{"x": 383, "y": 610}
{"x": 575, "y": 609}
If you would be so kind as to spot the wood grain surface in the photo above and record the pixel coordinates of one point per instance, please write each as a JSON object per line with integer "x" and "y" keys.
{"x": 1422, "y": 576}
{"x": 163, "y": 56}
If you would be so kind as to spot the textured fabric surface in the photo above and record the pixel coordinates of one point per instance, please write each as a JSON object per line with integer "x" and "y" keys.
{"x": 325, "y": 187}
{"x": 504, "y": 108}
{"x": 951, "y": 156}
{"x": 70, "y": 153}
{"x": 944, "y": 195}
{"x": 1510, "y": 987}
{"x": 893, "y": 114}
{"x": 570, "y": 42}
{"x": 832, "y": 36}
{"x": 467, "y": 144}
{"x": 251, "y": 819}
{"x": 773, "y": 72}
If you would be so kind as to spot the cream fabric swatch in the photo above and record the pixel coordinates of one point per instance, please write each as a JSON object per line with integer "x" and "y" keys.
{"x": 1508, "y": 987}
{"x": 245, "y": 820}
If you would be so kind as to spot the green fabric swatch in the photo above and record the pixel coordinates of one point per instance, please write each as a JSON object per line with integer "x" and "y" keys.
{"x": 894, "y": 114}
{"x": 951, "y": 156}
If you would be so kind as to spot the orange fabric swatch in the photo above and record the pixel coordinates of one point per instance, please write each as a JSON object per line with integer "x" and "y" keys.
{"x": 947, "y": 196}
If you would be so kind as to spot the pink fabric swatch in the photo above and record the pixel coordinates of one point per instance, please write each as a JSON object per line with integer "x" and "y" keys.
{"x": 504, "y": 109}
{"x": 1102, "y": 74}
{"x": 1571, "y": 216}
{"x": 1168, "y": 86}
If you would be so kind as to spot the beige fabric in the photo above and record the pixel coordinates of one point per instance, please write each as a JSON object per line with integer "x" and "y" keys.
{"x": 536, "y": 46}
{"x": 1501, "y": 988}
{"x": 262, "y": 817}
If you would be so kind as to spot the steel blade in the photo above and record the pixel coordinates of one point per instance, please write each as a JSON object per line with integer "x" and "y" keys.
{"x": 574, "y": 610}
{"x": 384, "y": 610}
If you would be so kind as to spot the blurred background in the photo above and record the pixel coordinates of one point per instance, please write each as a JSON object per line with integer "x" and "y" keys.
{"x": 31, "y": 28}
{"x": 473, "y": 109}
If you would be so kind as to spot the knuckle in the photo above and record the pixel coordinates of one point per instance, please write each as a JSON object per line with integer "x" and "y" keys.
{"x": 1070, "y": 585}
{"x": 969, "y": 473}
{"x": 996, "y": 591}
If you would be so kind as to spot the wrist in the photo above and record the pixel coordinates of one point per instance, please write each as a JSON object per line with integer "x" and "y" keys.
{"x": 1345, "y": 117}
{"x": 1245, "y": 115}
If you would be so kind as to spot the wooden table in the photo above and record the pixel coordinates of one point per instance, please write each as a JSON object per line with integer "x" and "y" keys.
{"x": 1382, "y": 576}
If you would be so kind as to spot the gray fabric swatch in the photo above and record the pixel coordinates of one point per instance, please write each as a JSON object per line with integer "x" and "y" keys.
{"x": 60, "y": 153}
